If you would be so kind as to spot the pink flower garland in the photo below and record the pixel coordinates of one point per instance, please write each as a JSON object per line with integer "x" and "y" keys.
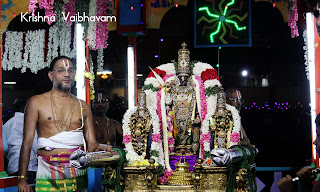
{"x": 48, "y": 6}
{"x": 127, "y": 139}
{"x": 159, "y": 109}
{"x": 235, "y": 137}
{"x": 71, "y": 9}
{"x": 292, "y": 20}
{"x": 102, "y": 32}
{"x": 203, "y": 101}
{"x": 156, "y": 138}
{"x": 32, "y": 6}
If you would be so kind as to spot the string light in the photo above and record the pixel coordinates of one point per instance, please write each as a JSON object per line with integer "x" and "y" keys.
{"x": 274, "y": 5}
{"x": 176, "y": 5}
{"x": 276, "y": 106}
{"x": 131, "y": 8}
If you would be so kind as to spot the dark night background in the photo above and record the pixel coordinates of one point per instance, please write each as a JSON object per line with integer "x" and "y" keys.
{"x": 282, "y": 136}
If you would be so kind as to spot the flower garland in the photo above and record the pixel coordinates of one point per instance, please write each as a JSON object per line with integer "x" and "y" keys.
{"x": 100, "y": 60}
{"x": 133, "y": 159}
{"x": 48, "y": 6}
{"x": 235, "y": 135}
{"x": 33, "y": 56}
{"x": 12, "y": 54}
{"x": 34, "y": 51}
{"x": 102, "y": 32}
{"x": 210, "y": 80}
{"x": 92, "y": 25}
{"x": 90, "y": 75}
{"x": 33, "y": 6}
{"x": 292, "y": 19}
{"x": 156, "y": 144}
{"x": 206, "y": 83}
{"x": 70, "y": 7}
{"x": 52, "y": 45}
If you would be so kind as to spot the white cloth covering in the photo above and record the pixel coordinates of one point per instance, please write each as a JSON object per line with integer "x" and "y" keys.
{"x": 66, "y": 139}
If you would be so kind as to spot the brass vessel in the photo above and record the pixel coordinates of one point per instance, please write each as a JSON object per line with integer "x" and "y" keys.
{"x": 181, "y": 176}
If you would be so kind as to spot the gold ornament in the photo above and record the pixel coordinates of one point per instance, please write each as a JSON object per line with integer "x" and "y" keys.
{"x": 59, "y": 122}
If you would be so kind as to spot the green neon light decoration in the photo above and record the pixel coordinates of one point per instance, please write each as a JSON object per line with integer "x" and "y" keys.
{"x": 221, "y": 19}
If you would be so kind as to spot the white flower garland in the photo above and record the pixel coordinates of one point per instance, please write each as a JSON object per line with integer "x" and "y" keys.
{"x": 100, "y": 60}
{"x": 34, "y": 51}
{"x": 131, "y": 155}
{"x": 236, "y": 122}
{"x": 52, "y": 43}
{"x": 65, "y": 40}
{"x": 12, "y": 54}
{"x": 92, "y": 25}
{"x": 33, "y": 57}
{"x": 168, "y": 68}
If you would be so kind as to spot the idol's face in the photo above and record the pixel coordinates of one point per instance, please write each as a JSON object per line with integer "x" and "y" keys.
{"x": 62, "y": 75}
{"x": 100, "y": 104}
{"x": 316, "y": 142}
{"x": 183, "y": 78}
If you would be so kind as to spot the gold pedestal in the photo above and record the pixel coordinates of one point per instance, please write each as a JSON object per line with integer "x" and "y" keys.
{"x": 175, "y": 188}
{"x": 214, "y": 179}
{"x": 139, "y": 179}
{"x": 144, "y": 179}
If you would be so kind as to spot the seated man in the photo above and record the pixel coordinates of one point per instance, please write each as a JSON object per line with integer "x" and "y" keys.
{"x": 305, "y": 174}
{"x": 64, "y": 124}
{"x": 108, "y": 131}
{"x": 14, "y": 132}
{"x": 234, "y": 98}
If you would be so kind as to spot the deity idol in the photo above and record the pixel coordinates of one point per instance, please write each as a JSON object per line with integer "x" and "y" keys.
{"x": 182, "y": 98}
{"x": 136, "y": 130}
{"x": 222, "y": 123}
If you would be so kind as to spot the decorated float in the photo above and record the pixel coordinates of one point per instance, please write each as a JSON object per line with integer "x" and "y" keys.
{"x": 183, "y": 136}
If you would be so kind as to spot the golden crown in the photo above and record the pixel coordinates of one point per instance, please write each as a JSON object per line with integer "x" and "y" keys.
{"x": 183, "y": 59}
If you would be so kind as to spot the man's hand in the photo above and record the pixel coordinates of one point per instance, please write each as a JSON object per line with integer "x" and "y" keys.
{"x": 23, "y": 186}
{"x": 103, "y": 148}
{"x": 286, "y": 185}
{"x": 306, "y": 175}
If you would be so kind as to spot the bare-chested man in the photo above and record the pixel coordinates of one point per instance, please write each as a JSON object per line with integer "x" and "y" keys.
{"x": 234, "y": 98}
{"x": 63, "y": 123}
{"x": 108, "y": 131}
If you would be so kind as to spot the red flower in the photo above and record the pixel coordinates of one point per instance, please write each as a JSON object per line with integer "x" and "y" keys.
{"x": 161, "y": 73}
{"x": 209, "y": 74}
